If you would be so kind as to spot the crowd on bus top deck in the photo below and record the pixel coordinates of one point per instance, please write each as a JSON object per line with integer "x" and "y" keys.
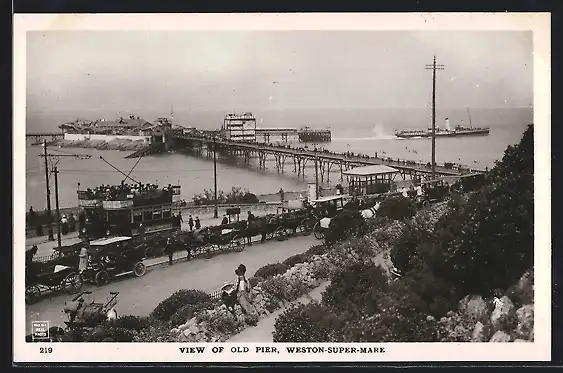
{"x": 109, "y": 192}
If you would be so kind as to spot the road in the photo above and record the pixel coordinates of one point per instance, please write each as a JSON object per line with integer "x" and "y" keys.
{"x": 139, "y": 296}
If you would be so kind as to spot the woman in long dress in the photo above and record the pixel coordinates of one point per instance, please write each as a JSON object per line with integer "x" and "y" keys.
{"x": 243, "y": 292}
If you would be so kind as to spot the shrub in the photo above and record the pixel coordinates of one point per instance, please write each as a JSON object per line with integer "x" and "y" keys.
{"x": 345, "y": 225}
{"x": 253, "y": 281}
{"x": 270, "y": 270}
{"x": 305, "y": 323}
{"x": 321, "y": 271}
{"x": 157, "y": 331}
{"x": 404, "y": 253}
{"x": 355, "y": 288}
{"x": 179, "y": 299}
{"x": 427, "y": 293}
{"x": 105, "y": 332}
{"x": 397, "y": 208}
{"x": 317, "y": 250}
{"x": 295, "y": 259}
{"x": 188, "y": 311}
{"x": 129, "y": 322}
{"x": 222, "y": 322}
{"x": 276, "y": 287}
{"x": 390, "y": 326}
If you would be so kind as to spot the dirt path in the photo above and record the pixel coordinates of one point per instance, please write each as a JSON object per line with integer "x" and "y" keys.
{"x": 263, "y": 331}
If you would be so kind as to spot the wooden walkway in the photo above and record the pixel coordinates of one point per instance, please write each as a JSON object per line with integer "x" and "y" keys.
{"x": 403, "y": 166}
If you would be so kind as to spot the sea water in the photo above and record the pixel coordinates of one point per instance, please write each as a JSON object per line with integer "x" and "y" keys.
{"x": 366, "y": 131}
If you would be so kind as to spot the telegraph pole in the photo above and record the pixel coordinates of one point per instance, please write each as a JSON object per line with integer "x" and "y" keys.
{"x": 56, "y": 172}
{"x": 215, "y": 213}
{"x": 50, "y": 220}
{"x": 317, "y": 178}
{"x": 434, "y": 67}
{"x": 49, "y": 217}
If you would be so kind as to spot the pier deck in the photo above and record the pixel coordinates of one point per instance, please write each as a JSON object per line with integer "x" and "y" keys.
{"x": 325, "y": 160}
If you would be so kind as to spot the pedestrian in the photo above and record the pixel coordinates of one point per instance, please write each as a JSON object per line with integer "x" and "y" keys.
{"x": 243, "y": 295}
{"x": 250, "y": 219}
{"x": 282, "y": 194}
{"x": 191, "y": 223}
{"x": 180, "y": 216}
{"x": 64, "y": 225}
{"x": 83, "y": 261}
{"x": 197, "y": 223}
{"x": 169, "y": 250}
{"x": 39, "y": 230}
{"x": 72, "y": 222}
{"x": 31, "y": 217}
{"x": 225, "y": 220}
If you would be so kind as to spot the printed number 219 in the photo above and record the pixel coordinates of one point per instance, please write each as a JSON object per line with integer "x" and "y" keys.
{"x": 45, "y": 350}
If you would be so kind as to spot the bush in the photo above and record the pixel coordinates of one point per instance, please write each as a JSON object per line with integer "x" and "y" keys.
{"x": 397, "y": 208}
{"x": 179, "y": 299}
{"x": 270, "y": 270}
{"x": 157, "y": 331}
{"x": 317, "y": 250}
{"x": 129, "y": 322}
{"x": 276, "y": 287}
{"x": 222, "y": 322}
{"x": 295, "y": 259}
{"x": 305, "y": 323}
{"x": 345, "y": 225}
{"x": 355, "y": 288}
{"x": 105, "y": 332}
{"x": 321, "y": 271}
{"x": 188, "y": 311}
{"x": 390, "y": 326}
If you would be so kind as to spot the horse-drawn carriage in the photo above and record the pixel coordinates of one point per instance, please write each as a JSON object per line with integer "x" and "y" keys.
{"x": 338, "y": 218}
{"x": 111, "y": 257}
{"x": 437, "y": 190}
{"x": 49, "y": 275}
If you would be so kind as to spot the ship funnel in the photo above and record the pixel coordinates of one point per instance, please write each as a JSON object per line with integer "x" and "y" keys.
{"x": 447, "y": 124}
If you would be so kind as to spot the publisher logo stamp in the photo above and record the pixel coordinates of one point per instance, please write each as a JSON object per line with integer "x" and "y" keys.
{"x": 40, "y": 330}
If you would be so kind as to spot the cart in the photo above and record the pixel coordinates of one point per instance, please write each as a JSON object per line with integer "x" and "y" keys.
{"x": 326, "y": 208}
{"x": 292, "y": 219}
{"x": 437, "y": 190}
{"x": 112, "y": 257}
{"x": 227, "y": 239}
{"x": 49, "y": 275}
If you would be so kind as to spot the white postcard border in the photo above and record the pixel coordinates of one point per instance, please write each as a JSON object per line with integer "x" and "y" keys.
{"x": 539, "y": 23}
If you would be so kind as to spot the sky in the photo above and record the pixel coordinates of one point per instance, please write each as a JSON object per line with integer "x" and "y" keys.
{"x": 274, "y": 70}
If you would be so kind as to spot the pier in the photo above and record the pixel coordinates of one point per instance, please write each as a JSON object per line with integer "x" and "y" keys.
{"x": 326, "y": 161}
{"x": 39, "y": 137}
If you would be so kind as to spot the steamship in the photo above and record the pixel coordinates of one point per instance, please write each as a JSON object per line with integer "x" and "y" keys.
{"x": 444, "y": 132}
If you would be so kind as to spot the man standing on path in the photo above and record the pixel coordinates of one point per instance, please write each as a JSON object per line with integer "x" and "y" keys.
{"x": 169, "y": 250}
{"x": 282, "y": 195}
{"x": 180, "y": 217}
{"x": 191, "y": 223}
{"x": 197, "y": 223}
